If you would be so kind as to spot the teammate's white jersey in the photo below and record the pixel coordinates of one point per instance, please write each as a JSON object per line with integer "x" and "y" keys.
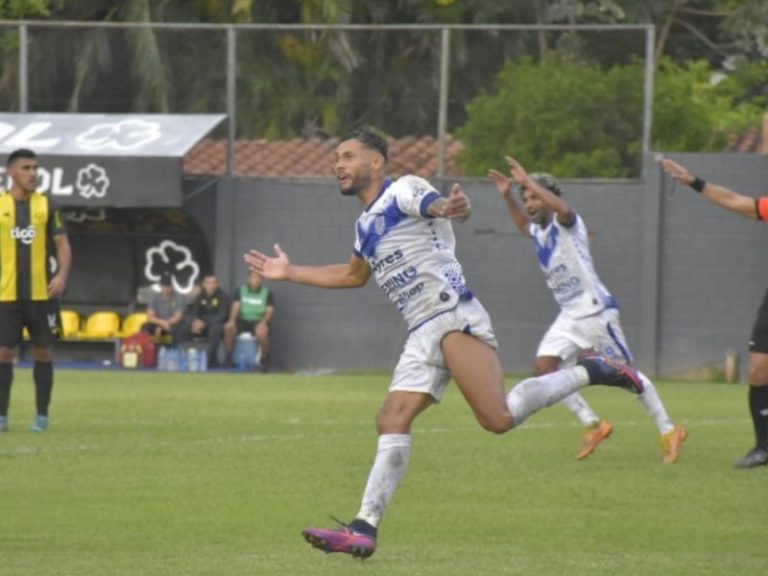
{"x": 567, "y": 265}
{"x": 411, "y": 253}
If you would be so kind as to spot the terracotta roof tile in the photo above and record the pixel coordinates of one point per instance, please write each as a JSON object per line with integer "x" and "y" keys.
{"x": 313, "y": 157}
{"x": 752, "y": 141}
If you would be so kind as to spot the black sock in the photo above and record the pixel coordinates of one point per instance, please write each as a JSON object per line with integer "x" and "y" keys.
{"x": 6, "y": 379}
{"x": 363, "y": 527}
{"x": 42, "y": 374}
{"x": 758, "y": 406}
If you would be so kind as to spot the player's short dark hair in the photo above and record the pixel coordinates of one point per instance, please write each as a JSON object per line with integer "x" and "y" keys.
{"x": 370, "y": 139}
{"x": 21, "y": 153}
{"x": 545, "y": 180}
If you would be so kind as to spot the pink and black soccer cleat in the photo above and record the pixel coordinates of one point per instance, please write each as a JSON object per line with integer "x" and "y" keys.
{"x": 357, "y": 538}
{"x": 610, "y": 372}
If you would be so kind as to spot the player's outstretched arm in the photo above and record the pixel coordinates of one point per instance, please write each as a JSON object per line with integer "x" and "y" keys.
{"x": 348, "y": 275}
{"x": 720, "y": 195}
{"x": 504, "y": 186}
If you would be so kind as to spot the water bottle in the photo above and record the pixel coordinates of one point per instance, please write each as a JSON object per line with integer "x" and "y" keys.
{"x": 203, "y": 360}
{"x": 193, "y": 359}
{"x": 173, "y": 359}
{"x": 162, "y": 359}
{"x": 181, "y": 361}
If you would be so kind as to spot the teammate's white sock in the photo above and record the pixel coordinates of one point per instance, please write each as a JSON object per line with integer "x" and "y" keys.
{"x": 653, "y": 405}
{"x": 533, "y": 394}
{"x": 391, "y": 461}
{"x": 581, "y": 409}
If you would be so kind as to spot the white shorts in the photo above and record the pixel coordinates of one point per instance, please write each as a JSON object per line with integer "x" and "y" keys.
{"x": 421, "y": 367}
{"x": 601, "y": 332}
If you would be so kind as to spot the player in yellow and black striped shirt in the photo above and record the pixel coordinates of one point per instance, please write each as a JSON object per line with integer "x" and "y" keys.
{"x": 30, "y": 227}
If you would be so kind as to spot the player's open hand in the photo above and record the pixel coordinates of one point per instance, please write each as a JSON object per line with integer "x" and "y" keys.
{"x": 502, "y": 181}
{"x": 272, "y": 268}
{"x": 56, "y": 286}
{"x": 678, "y": 172}
{"x": 518, "y": 172}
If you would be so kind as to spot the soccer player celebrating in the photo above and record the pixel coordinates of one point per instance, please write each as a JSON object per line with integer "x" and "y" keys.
{"x": 29, "y": 223}
{"x": 754, "y": 209}
{"x": 404, "y": 238}
{"x": 589, "y": 314}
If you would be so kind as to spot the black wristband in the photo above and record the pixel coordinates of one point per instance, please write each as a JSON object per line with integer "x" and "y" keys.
{"x": 698, "y": 184}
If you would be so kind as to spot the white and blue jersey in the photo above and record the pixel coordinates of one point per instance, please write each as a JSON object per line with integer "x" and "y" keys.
{"x": 568, "y": 268}
{"x": 410, "y": 253}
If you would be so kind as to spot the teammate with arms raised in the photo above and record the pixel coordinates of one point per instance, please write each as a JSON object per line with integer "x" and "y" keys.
{"x": 589, "y": 314}
{"x": 404, "y": 237}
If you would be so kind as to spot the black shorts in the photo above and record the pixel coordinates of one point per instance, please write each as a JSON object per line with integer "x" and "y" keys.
{"x": 40, "y": 317}
{"x": 758, "y": 342}
{"x": 246, "y": 326}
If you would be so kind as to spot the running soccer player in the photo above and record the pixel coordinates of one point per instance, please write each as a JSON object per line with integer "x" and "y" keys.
{"x": 404, "y": 238}
{"x": 589, "y": 314}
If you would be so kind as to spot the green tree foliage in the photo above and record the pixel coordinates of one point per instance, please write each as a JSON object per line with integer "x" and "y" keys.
{"x": 571, "y": 120}
{"x": 294, "y": 83}
{"x": 580, "y": 121}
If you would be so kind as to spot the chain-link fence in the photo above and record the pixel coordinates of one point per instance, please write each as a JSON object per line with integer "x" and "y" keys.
{"x": 572, "y": 99}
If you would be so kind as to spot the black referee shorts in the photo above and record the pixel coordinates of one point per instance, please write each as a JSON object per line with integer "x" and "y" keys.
{"x": 759, "y": 340}
{"x": 40, "y": 317}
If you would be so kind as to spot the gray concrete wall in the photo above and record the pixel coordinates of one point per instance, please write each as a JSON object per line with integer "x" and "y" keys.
{"x": 688, "y": 275}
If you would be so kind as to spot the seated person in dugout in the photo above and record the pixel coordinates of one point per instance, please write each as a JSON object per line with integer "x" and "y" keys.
{"x": 165, "y": 314}
{"x": 207, "y": 315}
{"x": 252, "y": 311}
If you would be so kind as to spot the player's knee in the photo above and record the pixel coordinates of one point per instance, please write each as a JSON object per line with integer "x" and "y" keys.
{"x": 544, "y": 365}
{"x": 394, "y": 420}
{"x": 496, "y": 423}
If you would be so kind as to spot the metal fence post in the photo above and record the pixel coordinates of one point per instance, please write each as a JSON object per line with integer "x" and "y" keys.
{"x": 23, "y": 68}
{"x": 442, "y": 112}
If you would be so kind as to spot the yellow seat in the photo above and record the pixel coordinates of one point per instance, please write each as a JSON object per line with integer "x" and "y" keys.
{"x": 104, "y": 324}
{"x": 25, "y": 334}
{"x": 70, "y": 323}
{"x": 133, "y": 323}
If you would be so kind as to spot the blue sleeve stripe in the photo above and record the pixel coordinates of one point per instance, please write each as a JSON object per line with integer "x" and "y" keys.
{"x": 426, "y": 201}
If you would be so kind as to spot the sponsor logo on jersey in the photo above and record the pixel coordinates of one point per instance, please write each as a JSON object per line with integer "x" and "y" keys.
{"x": 387, "y": 261}
{"x": 404, "y": 296}
{"x": 25, "y": 235}
{"x": 399, "y": 280}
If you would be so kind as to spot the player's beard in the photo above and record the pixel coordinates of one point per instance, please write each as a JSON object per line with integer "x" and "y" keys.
{"x": 358, "y": 185}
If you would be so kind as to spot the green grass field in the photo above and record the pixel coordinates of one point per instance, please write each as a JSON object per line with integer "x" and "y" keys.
{"x": 216, "y": 474}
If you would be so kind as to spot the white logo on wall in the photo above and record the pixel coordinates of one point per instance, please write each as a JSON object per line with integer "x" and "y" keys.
{"x": 168, "y": 256}
{"x": 125, "y": 135}
{"x": 92, "y": 181}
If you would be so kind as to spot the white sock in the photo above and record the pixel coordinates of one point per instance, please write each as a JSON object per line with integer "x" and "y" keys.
{"x": 533, "y": 394}
{"x": 653, "y": 405}
{"x": 390, "y": 464}
{"x": 581, "y": 409}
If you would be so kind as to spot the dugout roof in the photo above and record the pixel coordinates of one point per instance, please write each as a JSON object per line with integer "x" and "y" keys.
{"x": 107, "y": 160}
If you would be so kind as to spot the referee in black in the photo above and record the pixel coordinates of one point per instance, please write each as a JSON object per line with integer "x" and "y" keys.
{"x": 755, "y": 209}
{"x": 30, "y": 229}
